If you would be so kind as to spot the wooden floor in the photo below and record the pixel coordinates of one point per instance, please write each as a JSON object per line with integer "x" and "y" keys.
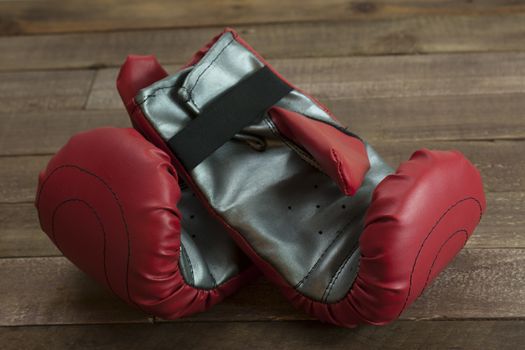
{"x": 402, "y": 74}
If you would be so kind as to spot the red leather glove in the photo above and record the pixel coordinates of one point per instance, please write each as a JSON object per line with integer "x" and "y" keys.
{"x": 345, "y": 237}
{"x": 111, "y": 202}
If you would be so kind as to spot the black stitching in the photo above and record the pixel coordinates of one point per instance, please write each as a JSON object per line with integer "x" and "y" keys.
{"x": 99, "y": 223}
{"x": 205, "y": 69}
{"x": 334, "y": 279}
{"x": 439, "y": 252}
{"x": 320, "y": 259}
{"x": 212, "y": 277}
{"x": 115, "y": 197}
{"x": 125, "y": 225}
{"x": 187, "y": 258}
{"x": 428, "y": 235}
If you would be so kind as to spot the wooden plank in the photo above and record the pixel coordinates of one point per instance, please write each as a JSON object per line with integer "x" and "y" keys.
{"x": 480, "y": 283}
{"x": 20, "y": 233}
{"x": 44, "y": 90}
{"x": 502, "y": 227}
{"x": 473, "y": 285}
{"x": 20, "y": 177}
{"x": 45, "y": 132}
{"x": 406, "y": 35}
{"x": 477, "y": 117}
{"x": 431, "y": 335}
{"x": 38, "y": 17}
{"x": 327, "y": 78}
{"x": 501, "y": 164}
{"x": 480, "y": 117}
{"x": 503, "y": 224}
{"x": 377, "y": 77}
{"x": 53, "y": 291}
{"x": 405, "y": 76}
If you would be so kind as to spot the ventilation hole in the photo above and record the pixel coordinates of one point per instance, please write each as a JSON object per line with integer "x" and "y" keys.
{"x": 315, "y": 186}
{"x": 343, "y": 206}
{"x": 193, "y": 194}
{"x": 192, "y": 216}
{"x": 320, "y": 232}
{"x": 318, "y": 206}
{"x": 193, "y": 236}
{"x": 289, "y": 207}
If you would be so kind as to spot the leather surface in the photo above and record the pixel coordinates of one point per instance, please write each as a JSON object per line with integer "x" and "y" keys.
{"x": 111, "y": 203}
{"x": 217, "y": 251}
{"x": 346, "y": 260}
{"x": 242, "y": 185}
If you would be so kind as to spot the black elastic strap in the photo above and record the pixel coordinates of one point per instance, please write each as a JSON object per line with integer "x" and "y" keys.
{"x": 240, "y": 106}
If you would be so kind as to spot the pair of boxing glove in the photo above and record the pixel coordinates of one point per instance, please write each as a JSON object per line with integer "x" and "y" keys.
{"x": 231, "y": 170}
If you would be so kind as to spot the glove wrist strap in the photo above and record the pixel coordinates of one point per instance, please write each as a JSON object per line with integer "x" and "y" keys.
{"x": 240, "y": 106}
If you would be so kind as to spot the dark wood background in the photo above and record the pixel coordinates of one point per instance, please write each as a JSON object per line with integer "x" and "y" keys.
{"x": 402, "y": 74}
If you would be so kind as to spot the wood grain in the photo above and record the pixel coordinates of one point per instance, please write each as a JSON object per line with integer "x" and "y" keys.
{"x": 476, "y": 117}
{"x": 480, "y": 283}
{"x": 53, "y": 291}
{"x": 477, "y": 280}
{"x": 46, "y": 131}
{"x": 44, "y": 90}
{"x": 404, "y": 35}
{"x": 361, "y": 58}
{"x": 447, "y": 118}
{"x": 19, "y": 178}
{"x": 349, "y": 79}
{"x": 502, "y": 227}
{"x": 430, "y": 335}
{"x": 459, "y": 75}
{"x": 20, "y": 234}
{"x": 501, "y": 164}
{"x": 102, "y": 15}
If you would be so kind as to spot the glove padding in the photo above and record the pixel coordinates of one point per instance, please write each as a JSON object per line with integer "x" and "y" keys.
{"x": 281, "y": 184}
{"x": 111, "y": 202}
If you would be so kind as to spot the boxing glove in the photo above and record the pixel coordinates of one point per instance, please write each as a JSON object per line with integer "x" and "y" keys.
{"x": 344, "y": 236}
{"x": 111, "y": 202}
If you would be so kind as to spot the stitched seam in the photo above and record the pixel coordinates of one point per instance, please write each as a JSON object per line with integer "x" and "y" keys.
{"x": 213, "y": 279}
{"x": 428, "y": 235}
{"x": 99, "y": 223}
{"x": 147, "y": 97}
{"x": 190, "y": 92}
{"x": 320, "y": 259}
{"x": 218, "y": 285}
{"x": 154, "y": 92}
{"x": 340, "y": 171}
{"x": 115, "y": 197}
{"x": 187, "y": 258}
{"x": 302, "y": 154}
{"x": 355, "y": 268}
{"x": 439, "y": 252}
{"x": 211, "y": 275}
{"x": 334, "y": 279}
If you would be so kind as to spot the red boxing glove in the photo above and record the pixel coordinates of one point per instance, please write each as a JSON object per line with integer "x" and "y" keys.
{"x": 316, "y": 208}
{"x": 111, "y": 202}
